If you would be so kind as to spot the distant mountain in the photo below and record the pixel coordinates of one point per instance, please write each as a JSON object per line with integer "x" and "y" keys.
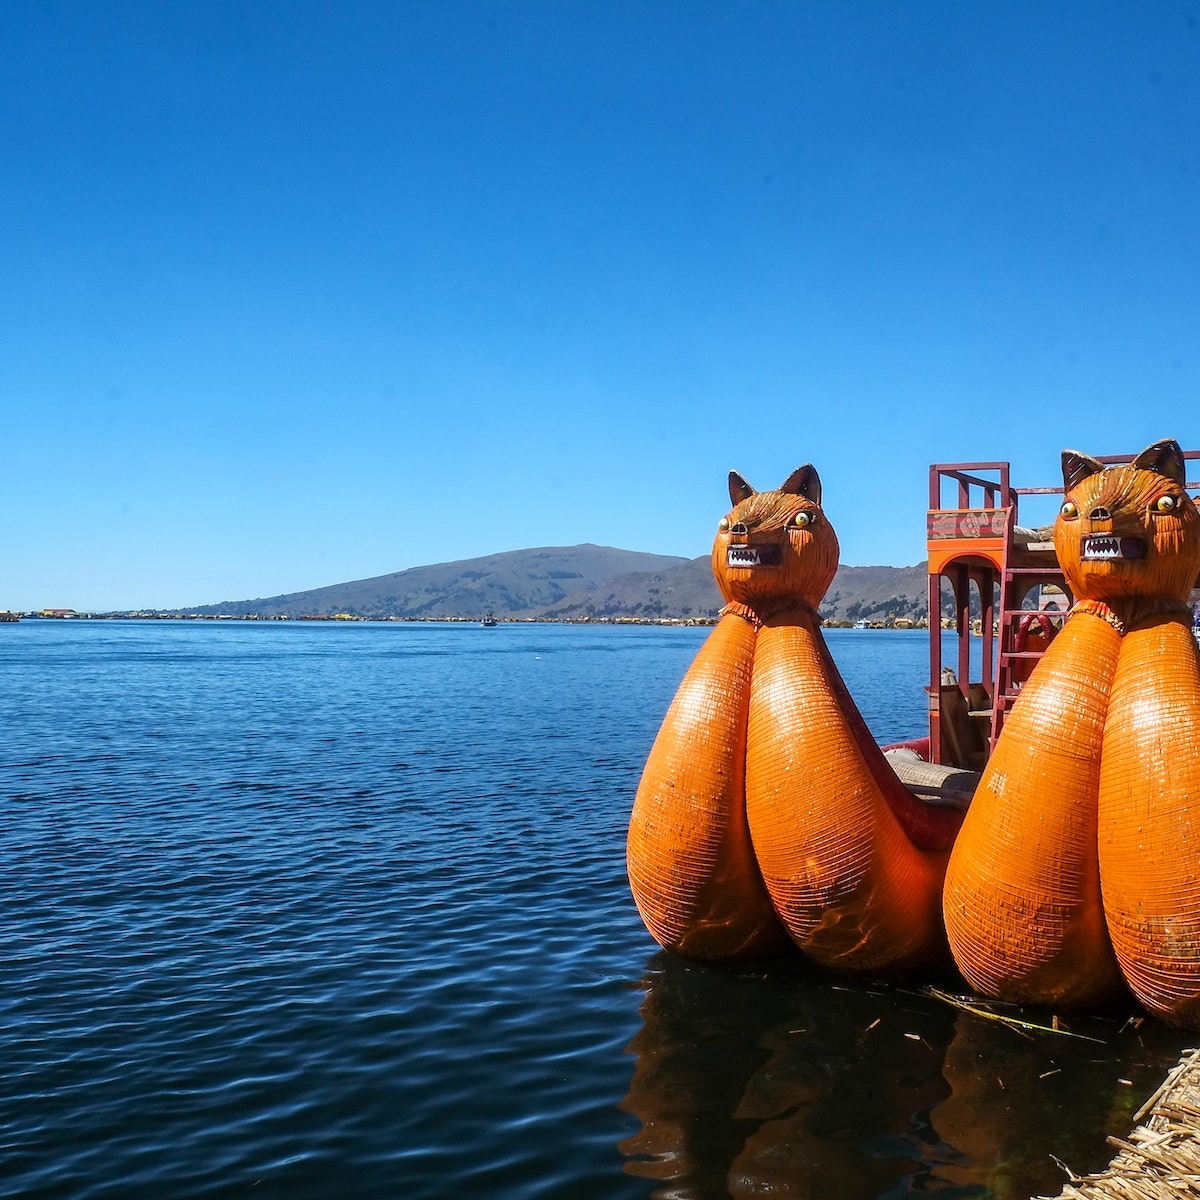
{"x": 875, "y": 593}
{"x": 574, "y": 583}
{"x": 688, "y": 590}
{"x": 684, "y": 589}
{"x": 516, "y": 583}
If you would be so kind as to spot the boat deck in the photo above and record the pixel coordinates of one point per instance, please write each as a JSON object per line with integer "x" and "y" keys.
{"x": 1160, "y": 1160}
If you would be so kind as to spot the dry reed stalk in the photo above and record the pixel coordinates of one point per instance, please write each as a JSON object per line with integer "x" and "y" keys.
{"x": 1160, "y": 1160}
{"x": 1018, "y": 1025}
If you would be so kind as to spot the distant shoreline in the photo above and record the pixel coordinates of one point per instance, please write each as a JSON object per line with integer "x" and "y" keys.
{"x": 353, "y": 618}
{"x": 572, "y": 584}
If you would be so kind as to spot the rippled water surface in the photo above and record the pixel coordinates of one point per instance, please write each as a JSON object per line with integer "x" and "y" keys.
{"x": 341, "y": 909}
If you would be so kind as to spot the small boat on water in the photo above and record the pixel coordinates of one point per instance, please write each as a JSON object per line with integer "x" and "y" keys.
{"x": 489, "y": 620}
{"x": 9, "y": 618}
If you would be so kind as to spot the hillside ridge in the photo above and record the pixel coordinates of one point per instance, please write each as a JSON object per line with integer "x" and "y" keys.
{"x": 571, "y": 583}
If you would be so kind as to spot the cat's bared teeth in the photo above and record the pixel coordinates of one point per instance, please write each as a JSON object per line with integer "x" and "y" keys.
{"x": 765, "y": 554}
{"x": 1100, "y": 547}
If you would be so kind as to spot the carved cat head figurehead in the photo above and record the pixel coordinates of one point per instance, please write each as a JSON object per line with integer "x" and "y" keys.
{"x": 777, "y": 546}
{"x": 1128, "y": 530}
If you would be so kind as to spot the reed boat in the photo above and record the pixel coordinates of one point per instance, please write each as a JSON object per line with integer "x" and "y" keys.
{"x": 1042, "y": 827}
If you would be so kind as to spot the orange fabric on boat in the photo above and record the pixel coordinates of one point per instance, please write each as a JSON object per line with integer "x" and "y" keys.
{"x": 1149, "y": 818}
{"x": 691, "y": 867}
{"x": 853, "y": 891}
{"x": 1022, "y": 897}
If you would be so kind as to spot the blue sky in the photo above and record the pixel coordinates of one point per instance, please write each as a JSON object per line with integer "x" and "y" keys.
{"x": 297, "y": 293}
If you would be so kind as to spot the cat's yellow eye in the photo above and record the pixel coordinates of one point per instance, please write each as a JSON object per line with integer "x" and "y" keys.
{"x": 1165, "y": 504}
{"x": 802, "y": 520}
{"x": 1070, "y": 510}
{"x": 723, "y": 525}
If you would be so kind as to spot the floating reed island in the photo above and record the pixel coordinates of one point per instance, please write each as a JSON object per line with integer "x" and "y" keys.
{"x": 1160, "y": 1160}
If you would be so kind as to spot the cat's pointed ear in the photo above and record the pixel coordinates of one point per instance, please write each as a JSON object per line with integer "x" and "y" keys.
{"x": 804, "y": 481}
{"x": 1165, "y": 457}
{"x": 1077, "y": 467}
{"x": 739, "y": 489}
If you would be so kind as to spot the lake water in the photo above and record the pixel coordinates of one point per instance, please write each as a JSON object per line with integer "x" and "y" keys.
{"x": 339, "y": 909}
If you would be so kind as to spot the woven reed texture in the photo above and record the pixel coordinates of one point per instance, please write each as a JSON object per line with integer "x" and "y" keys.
{"x": 927, "y": 826}
{"x": 852, "y": 890}
{"x": 1160, "y": 1160}
{"x": 1149, "y": 818}
{"x": 690, "y": 862}
{"x": 1022, "y": 897}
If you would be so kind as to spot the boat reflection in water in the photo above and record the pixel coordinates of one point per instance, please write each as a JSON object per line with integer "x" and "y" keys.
{"x": 774, "y": 1080}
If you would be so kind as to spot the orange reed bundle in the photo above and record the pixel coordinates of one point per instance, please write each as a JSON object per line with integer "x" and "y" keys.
{"x": 1022, "y": 895}
{"x": 853, "y": 891}
{"x": 691, "y": 867}
{"x": 1149, "y": 818}
{"x": 764, "y": 804}
{"x": 1079, "y": 860}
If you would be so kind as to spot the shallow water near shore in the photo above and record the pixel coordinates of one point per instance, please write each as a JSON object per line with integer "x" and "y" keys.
{"x": 324, "y": 909}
